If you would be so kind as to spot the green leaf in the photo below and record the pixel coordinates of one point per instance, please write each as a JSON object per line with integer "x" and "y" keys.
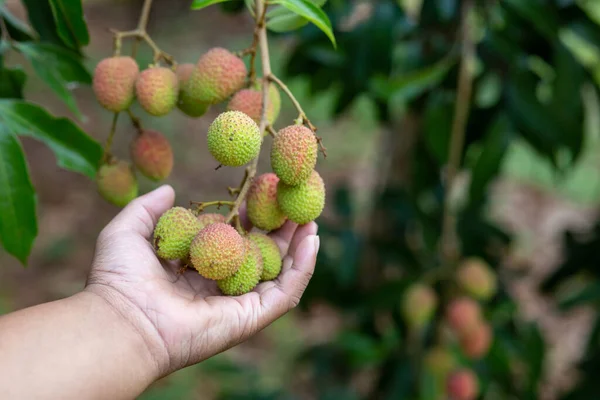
{"x": 74, "y": 149}
{"x": 587, "y": 295}
{"x": 41, "y": 18}
{"x": 12, "y": 81}
{"x": 311, "y": 12}
{"x": 17, "y": 29}
{"x": 199, "y": 4}
{"x": 18, "y": 225}
{"x": 59, "y": 68}
{"x": 71, "y": 27}
{"x": 280, "y": 19}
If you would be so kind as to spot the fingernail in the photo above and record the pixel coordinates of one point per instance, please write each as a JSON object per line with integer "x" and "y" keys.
{"x": 317, "y": 244}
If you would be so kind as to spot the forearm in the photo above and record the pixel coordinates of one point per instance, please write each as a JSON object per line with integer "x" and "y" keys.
{"x": 75, "y": 348}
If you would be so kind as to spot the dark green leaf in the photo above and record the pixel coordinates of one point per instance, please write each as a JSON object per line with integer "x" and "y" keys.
{"x": 311, "y": 12}
{"x": 17, "y": 29}
{"x": 71, "y": 27}
{"x": 42, "y": 20}
{"x": 74, "y": 149}
{"x": 12, "y": 81}
{"x": 59, "y": 68}
{"x": 589, "y": 294}
{"x": 199, "y": 4}
{"x": 18, "y": 225}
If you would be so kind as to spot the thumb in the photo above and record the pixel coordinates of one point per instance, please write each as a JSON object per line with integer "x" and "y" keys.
{"x": 140, "y": 216}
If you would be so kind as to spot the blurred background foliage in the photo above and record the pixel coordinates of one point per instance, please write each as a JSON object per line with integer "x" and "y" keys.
{"x": 525, "y": 197}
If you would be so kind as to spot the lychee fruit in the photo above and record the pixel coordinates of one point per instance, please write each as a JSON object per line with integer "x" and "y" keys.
{"x": 462, "y": 384}
{"x": 234, "y": 139}
{"x": 302, "y": 203}
{"x": 116, "y": 183}
{"x": 249, "y": 101}
{"x": 418, "y": 305}
{"x": 463, "y": 315}
{"x": 174, "y": 233}
{"x": 152, "y": 155}
{"x": 157, "y": 90}
{"x": 261, "y": 203}
{"x": 476, "y": 343}
{"x": 217, "y": 251}
{"x": 114, "y": 82}
{"x": 189, "y": 105}
{"x": 270, "y": 255}
{"x": 294, "y": 154}
{"x": 247, "y": 276}
{"x": 218, "y": 74}
{"x": 210, "y": 218}
{"x": 476, "y": 278}
{"x": 439, "y": 361}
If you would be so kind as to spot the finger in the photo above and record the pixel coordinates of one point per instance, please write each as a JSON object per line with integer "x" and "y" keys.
{"x": 302, "y": 232}
{"x": 141, "y": 215}
{"x": 283, "y": 236}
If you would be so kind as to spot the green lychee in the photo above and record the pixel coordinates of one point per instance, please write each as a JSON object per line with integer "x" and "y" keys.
{"x": 294, "y": 154}
{"x": 302, "y": 203}
{"x": 217, "y": 251}
{"x": 249, "y": 101}
{"x": 210, "y": 218}
{"x": 261, "y": 203}
{"x": 439, "y": 361}
{"x": 234, "y": 139}
{"x": 116, "y": 183}
{"x": 418, "y": 305}
{"x": 152, "y": 155}
{"x": 114, "y": 82}
{"x": 247, "y": 276}
{"x": 157, "y": 89}
{"x": 189, "y": 105}
{"x": 476, "y": 278}
{"x": 174, "y": 233}
{"x": 271, "y": 255}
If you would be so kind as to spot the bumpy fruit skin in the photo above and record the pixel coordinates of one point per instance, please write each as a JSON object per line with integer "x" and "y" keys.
{"x": 462, "y": 385}
{"x": 302, "y": 203}
{"x": 270, "y": 255}
{"x": 116, "y": 183}
{"x": 261, "y": 203}
{"x": 157, "y": 89}
{"x": 418, "y": 305}
{"x": 477, "y": 278}
{"x": 114, "y": 82}
{"x": 247, "y": 276}
{"x": 210, "y": 218}
{"x": 152, "y": 155}
{"x": 476, "y": 343}
{"x": 174, "y": 233}
{"x": 189, "y": 105}
{"x": 234, "y": 139}
{"x": 249, "y": 101}
{"x": 294, "y": 154}
{"x": 463, "y": 315}
{"x": 218, "y": 75}
{"x": 218, "y": 251}
{"x": 439, "y": 361}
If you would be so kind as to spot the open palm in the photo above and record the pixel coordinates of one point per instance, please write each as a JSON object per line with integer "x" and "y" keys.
{"x": 183, "y": 318}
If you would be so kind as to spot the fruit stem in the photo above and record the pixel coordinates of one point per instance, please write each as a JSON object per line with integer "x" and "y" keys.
{"x": 201, "y": 205}
{"x": 135, "y": 121}
{"x": 271, "y": 131}
{"x": 449, "y": 240}
{"x": 108, "y": 145}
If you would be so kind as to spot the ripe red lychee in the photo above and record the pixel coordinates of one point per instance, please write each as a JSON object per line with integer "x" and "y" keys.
{"x": 152, "y": 155}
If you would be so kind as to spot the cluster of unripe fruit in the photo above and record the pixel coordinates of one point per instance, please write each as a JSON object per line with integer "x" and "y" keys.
{"x": 464, "y": 322}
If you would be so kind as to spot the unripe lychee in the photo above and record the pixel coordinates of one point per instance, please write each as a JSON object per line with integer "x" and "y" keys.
{"x": 218, "y": 74}
{"x": 294, "y": 154}
{"x": 302, "y": 203}
{"x": 439, "y": 361}
{"x": 418, "y": 305}
{"x": 152, "y": 155}
{"x": 114, "y": 82}
{"x": 189, "y": 105}
{"x": 476, "y": 343}
{"x": 270, "y": 255}
{"x": 463, "y": 315}
{"x": 462, "y": 385}
{"x": 157, "y": 89}
{"x": 234, "y": 139}
{"x": 247, "y": 276}
{"x": 174, "y": 233}
{"x": 210, "y": 218}
{"x": 249, "y": 101}
{"x": 261, "y": 203}
{"x": 116, "y": 183}
{"x": 217, "y": 251}
{"x": 477, "y": 278}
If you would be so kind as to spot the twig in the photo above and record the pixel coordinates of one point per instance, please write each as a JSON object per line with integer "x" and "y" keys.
{"x": 201, "y": 205}
{"x": 449, "y": 239}
{"x": 108, "y": 145}
{"x": 135, "y": 121}
{"x": 271, "y": 131}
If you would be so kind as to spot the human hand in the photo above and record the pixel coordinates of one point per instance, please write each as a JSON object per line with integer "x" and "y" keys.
{"x": 182, "y": 318}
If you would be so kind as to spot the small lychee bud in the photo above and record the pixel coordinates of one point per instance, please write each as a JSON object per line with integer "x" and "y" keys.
{"x": 189, "y": 105}
{"x": 116, "y": 183}
{"x": 218, "y": 251}
{"x": 418, "y": 305}
{"x": 210, "y": 218}
{"x": 234, "y": 139}
{"x": 157, "y": 89}
{"x": 463, "y": 315}
{"x": 294, "y": 154}
{"x": 302, "y": 203}
{"x": 476, "y": 278}
{"x": 476, "y": 343}
{"x": 462, "y": 384}
{"x": 261, "y": 203}
{"x": 174, "y": 233}
{"x": 152, "y": 155}
{"x": 114, "y": 82}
